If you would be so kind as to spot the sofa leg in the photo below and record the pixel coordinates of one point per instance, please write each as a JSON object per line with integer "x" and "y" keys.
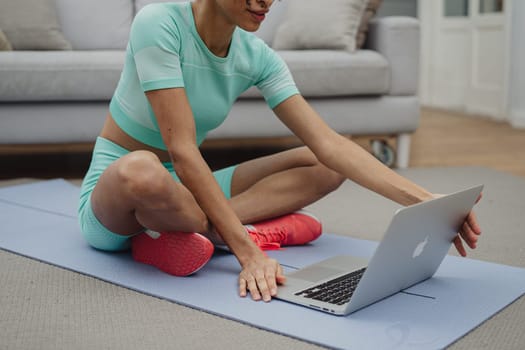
{"x": 403, "y": 151}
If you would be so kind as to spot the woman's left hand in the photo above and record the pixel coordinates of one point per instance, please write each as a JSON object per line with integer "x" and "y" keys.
{"x": 469, "y": 233}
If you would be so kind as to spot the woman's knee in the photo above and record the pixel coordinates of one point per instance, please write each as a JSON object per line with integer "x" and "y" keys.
{"x": 142, "y": 174}
{"x": 152, "y": 185}
{"x": 328, "y": 179}
{"x": 306, "y": 157}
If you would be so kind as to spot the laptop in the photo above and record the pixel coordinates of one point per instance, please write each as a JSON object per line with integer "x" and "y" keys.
{"x": 413, "y": 246}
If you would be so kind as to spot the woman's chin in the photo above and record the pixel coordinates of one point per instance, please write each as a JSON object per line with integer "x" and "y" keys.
{"x": 251, "y": 28}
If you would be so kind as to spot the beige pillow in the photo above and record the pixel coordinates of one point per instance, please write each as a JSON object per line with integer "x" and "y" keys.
{"x": 32, "y": 25}
{"x": 5, "y": 45}
{"x": 368, "y": 14}
{"x": 315, "y": 24}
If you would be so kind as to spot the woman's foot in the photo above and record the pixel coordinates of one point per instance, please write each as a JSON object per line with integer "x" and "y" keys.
{"x": 176, "y": 253}
{"x": 297, "y": 228}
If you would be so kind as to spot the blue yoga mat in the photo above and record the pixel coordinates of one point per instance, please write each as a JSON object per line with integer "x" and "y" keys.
{"x": 39, "y": 221}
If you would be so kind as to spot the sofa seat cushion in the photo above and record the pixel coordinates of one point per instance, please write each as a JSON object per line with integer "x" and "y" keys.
{"x": 331, "y": 73}
{"x": 59, "y": 75}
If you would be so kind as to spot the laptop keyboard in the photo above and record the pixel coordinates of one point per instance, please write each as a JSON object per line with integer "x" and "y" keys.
{"x": 337, "y": 291}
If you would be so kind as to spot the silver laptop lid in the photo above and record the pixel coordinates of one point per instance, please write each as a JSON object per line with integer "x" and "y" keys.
{"x": 414, "y": 245}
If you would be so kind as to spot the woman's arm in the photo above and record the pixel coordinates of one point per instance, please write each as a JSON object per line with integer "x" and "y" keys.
{"x": 351, "y": 160}
{"x": 175, "y": 119}
{"x": 344, "y": 156}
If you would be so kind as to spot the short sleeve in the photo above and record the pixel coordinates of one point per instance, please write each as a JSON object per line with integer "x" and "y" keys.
{"x": 155, "y": 46}
{"x": 276, "y": 82}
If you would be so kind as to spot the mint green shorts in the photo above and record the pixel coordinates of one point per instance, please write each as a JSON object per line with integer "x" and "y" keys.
{"x": 105, "y": 153}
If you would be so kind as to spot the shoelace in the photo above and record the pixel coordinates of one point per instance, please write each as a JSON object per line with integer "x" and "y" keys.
{"x": 268, "y": 239}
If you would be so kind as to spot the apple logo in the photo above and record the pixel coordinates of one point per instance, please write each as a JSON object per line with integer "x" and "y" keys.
{"x": 419, "y": 248}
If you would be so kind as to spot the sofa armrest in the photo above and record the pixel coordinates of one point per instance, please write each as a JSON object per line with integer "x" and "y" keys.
{"x": 397, "y": 39}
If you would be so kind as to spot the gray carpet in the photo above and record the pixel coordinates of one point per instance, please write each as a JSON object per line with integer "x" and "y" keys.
{"x": 45, "y": 307}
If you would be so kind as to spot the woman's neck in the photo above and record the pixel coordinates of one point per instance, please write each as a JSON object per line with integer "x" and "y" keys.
{"x": 213, "y": 28}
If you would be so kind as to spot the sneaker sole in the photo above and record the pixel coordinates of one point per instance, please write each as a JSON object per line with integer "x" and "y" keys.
{"x": 178, "y": 253}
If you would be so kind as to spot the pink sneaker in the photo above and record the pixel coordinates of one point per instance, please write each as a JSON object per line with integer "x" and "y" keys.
{"x": 176, "y": 253}
{"x": 297, "y": 228}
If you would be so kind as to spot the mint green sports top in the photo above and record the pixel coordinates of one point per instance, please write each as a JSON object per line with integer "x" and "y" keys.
{"x": 165, "y": 51}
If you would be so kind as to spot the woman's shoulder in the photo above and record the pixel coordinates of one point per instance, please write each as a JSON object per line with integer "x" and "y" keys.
{"x": 171, "y": 13}
{"x": 162, "y": 7}
{"x": 252, "y": 45}
{"x": 159, "y": 23}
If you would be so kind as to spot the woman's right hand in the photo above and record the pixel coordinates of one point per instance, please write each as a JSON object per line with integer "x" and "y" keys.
{"x": 260, "y": 276}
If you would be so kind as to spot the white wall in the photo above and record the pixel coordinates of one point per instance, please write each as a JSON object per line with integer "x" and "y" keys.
{"x": 516, "y": 98}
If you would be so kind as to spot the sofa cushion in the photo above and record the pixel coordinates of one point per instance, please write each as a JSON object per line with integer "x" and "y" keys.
{"x": 59, "y": 75}
{"x": 370, "y": 11}
{"x": 96, "y": 24}
{"x": 330, "y": 73}
{"x": 308, "y": 25}
{"x": 5, "y": 45}
{"x": 32, "y": 25}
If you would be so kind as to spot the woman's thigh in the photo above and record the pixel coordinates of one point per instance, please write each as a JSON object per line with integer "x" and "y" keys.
{"x": 250, "y": 172}
{"x": 95, "y": 232}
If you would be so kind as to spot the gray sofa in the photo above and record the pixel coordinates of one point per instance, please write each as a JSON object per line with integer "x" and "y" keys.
{"x": 50, "y": 97}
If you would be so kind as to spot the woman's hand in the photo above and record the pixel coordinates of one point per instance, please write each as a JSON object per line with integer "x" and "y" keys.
{"x": 468, "y": 233}
{"x": 260, "y": 276}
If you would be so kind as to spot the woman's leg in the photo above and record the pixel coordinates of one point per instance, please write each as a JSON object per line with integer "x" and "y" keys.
{"x": 137, "y": 192}
{"x": 280, "y": 184}
{"x": 125, "y": 194}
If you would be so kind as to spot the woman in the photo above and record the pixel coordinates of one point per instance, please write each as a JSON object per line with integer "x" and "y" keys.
{"x": 148, "y": 185}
